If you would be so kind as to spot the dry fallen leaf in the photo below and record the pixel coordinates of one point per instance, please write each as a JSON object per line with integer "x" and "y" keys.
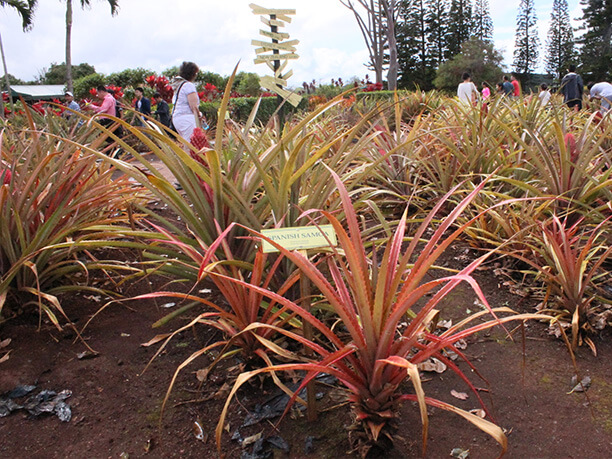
{"x": 223, "y": 392}
{"x": 250, "y": 440}
{"x": 582, "y": 386}
{"x": 459, "y": 395}
{"x": 432, "y": 365}
{"x": 479, "y": 412}
{"x": 96, "y": 298}
{"x": 202, "y": 375}
{"x": 5, "y": 343}
{"x": 460, "y": 453}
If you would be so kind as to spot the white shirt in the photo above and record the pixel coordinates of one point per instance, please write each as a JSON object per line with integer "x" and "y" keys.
{"x": 544, "y": 97}
{"x": 603, "y": 90}
{"x": 467, "y": 92}
{"x": 181, "y": 104}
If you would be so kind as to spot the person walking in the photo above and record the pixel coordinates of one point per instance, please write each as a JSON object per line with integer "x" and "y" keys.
{"x": 71, "y": 103}
{"x": 107, "y": 107}
{"x": 466, "y": 91}
{"x": 507, "y": 86}
{"x": 572, "y": 88}
{"x": 544, "y": 94}
{"x": 162, "y": 112}
{"x": 142, "y": 104}
{"x": 603, "y": 92}
{"x": 486, "y": 91}
{"x": 186, "y": 113}
{"x": 516, "y": 86}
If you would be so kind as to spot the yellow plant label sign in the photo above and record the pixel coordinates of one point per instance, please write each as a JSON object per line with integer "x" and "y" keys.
{"x": 299, "y": 237}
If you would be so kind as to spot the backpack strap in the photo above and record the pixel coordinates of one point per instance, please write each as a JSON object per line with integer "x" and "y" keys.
{"x": 177, "y": 96}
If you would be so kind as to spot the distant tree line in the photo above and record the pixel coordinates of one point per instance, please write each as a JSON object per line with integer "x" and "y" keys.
{"x": 436, "y": 40}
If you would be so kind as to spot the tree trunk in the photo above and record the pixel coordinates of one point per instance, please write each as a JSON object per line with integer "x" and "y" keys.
{"x": 68, "y": 41}
{"x": 392, "y": 42}
{"x": 8, "y": 83}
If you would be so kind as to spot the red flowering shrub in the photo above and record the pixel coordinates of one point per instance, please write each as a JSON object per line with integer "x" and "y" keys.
{"x": 38, "y": 108}
{"x": 209, "y": 93}
{"x": 373, "y": 87}
{"x": 117, "y": 91}
{"x": 57, "y": 109}
{"x": 161, "y": 85}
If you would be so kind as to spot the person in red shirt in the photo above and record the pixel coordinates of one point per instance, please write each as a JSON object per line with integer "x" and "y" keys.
{"x": 516, "y": 85}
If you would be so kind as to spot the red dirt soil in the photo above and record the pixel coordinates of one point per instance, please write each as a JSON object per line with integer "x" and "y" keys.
{"x": 116, "y": 407}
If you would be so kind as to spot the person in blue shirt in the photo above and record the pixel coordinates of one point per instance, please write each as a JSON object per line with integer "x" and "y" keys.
{"x": 71, "y": 103}
{"x": 142, "y": 105}
{"x": 507, "y": 86}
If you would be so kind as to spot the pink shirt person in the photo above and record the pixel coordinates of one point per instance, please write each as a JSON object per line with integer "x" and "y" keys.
{"x": 108, "y": 104}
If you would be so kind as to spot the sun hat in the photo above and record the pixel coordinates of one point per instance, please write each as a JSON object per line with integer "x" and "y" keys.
{"x": 68, "y": 93}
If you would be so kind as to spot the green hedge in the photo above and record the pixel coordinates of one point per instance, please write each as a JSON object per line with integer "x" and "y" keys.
{"x": 240, "y": 108}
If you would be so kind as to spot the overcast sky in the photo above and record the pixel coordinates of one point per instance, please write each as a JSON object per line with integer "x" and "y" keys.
{"x": 157, "y": 34}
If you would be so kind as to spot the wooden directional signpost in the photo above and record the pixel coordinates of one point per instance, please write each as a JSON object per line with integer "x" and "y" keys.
{"x": 282, "y": 50}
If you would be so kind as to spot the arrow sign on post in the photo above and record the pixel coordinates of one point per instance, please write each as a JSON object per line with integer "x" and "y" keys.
{"x": 275, "y": 18}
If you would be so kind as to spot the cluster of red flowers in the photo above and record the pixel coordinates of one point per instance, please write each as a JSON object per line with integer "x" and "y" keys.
{"x": 57, "y": 109}
{"x": 8, "y": 112}
{"x": 209, "y": 93}
{"x": 116, "y": 91}
{"x": 38, "y": 108}
{"x": 373, "y": 87}
{"x": 161, "y": 84}
{"x": 235, "y": 94}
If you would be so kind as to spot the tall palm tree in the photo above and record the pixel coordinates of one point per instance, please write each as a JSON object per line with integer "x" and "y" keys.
{"x": 25, "y": 9}
{"x": 114, "y": 5}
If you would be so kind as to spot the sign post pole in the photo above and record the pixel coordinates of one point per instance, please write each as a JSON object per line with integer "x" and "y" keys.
{"x": 311, "y": 396}
{"x": 300, "y": 239}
